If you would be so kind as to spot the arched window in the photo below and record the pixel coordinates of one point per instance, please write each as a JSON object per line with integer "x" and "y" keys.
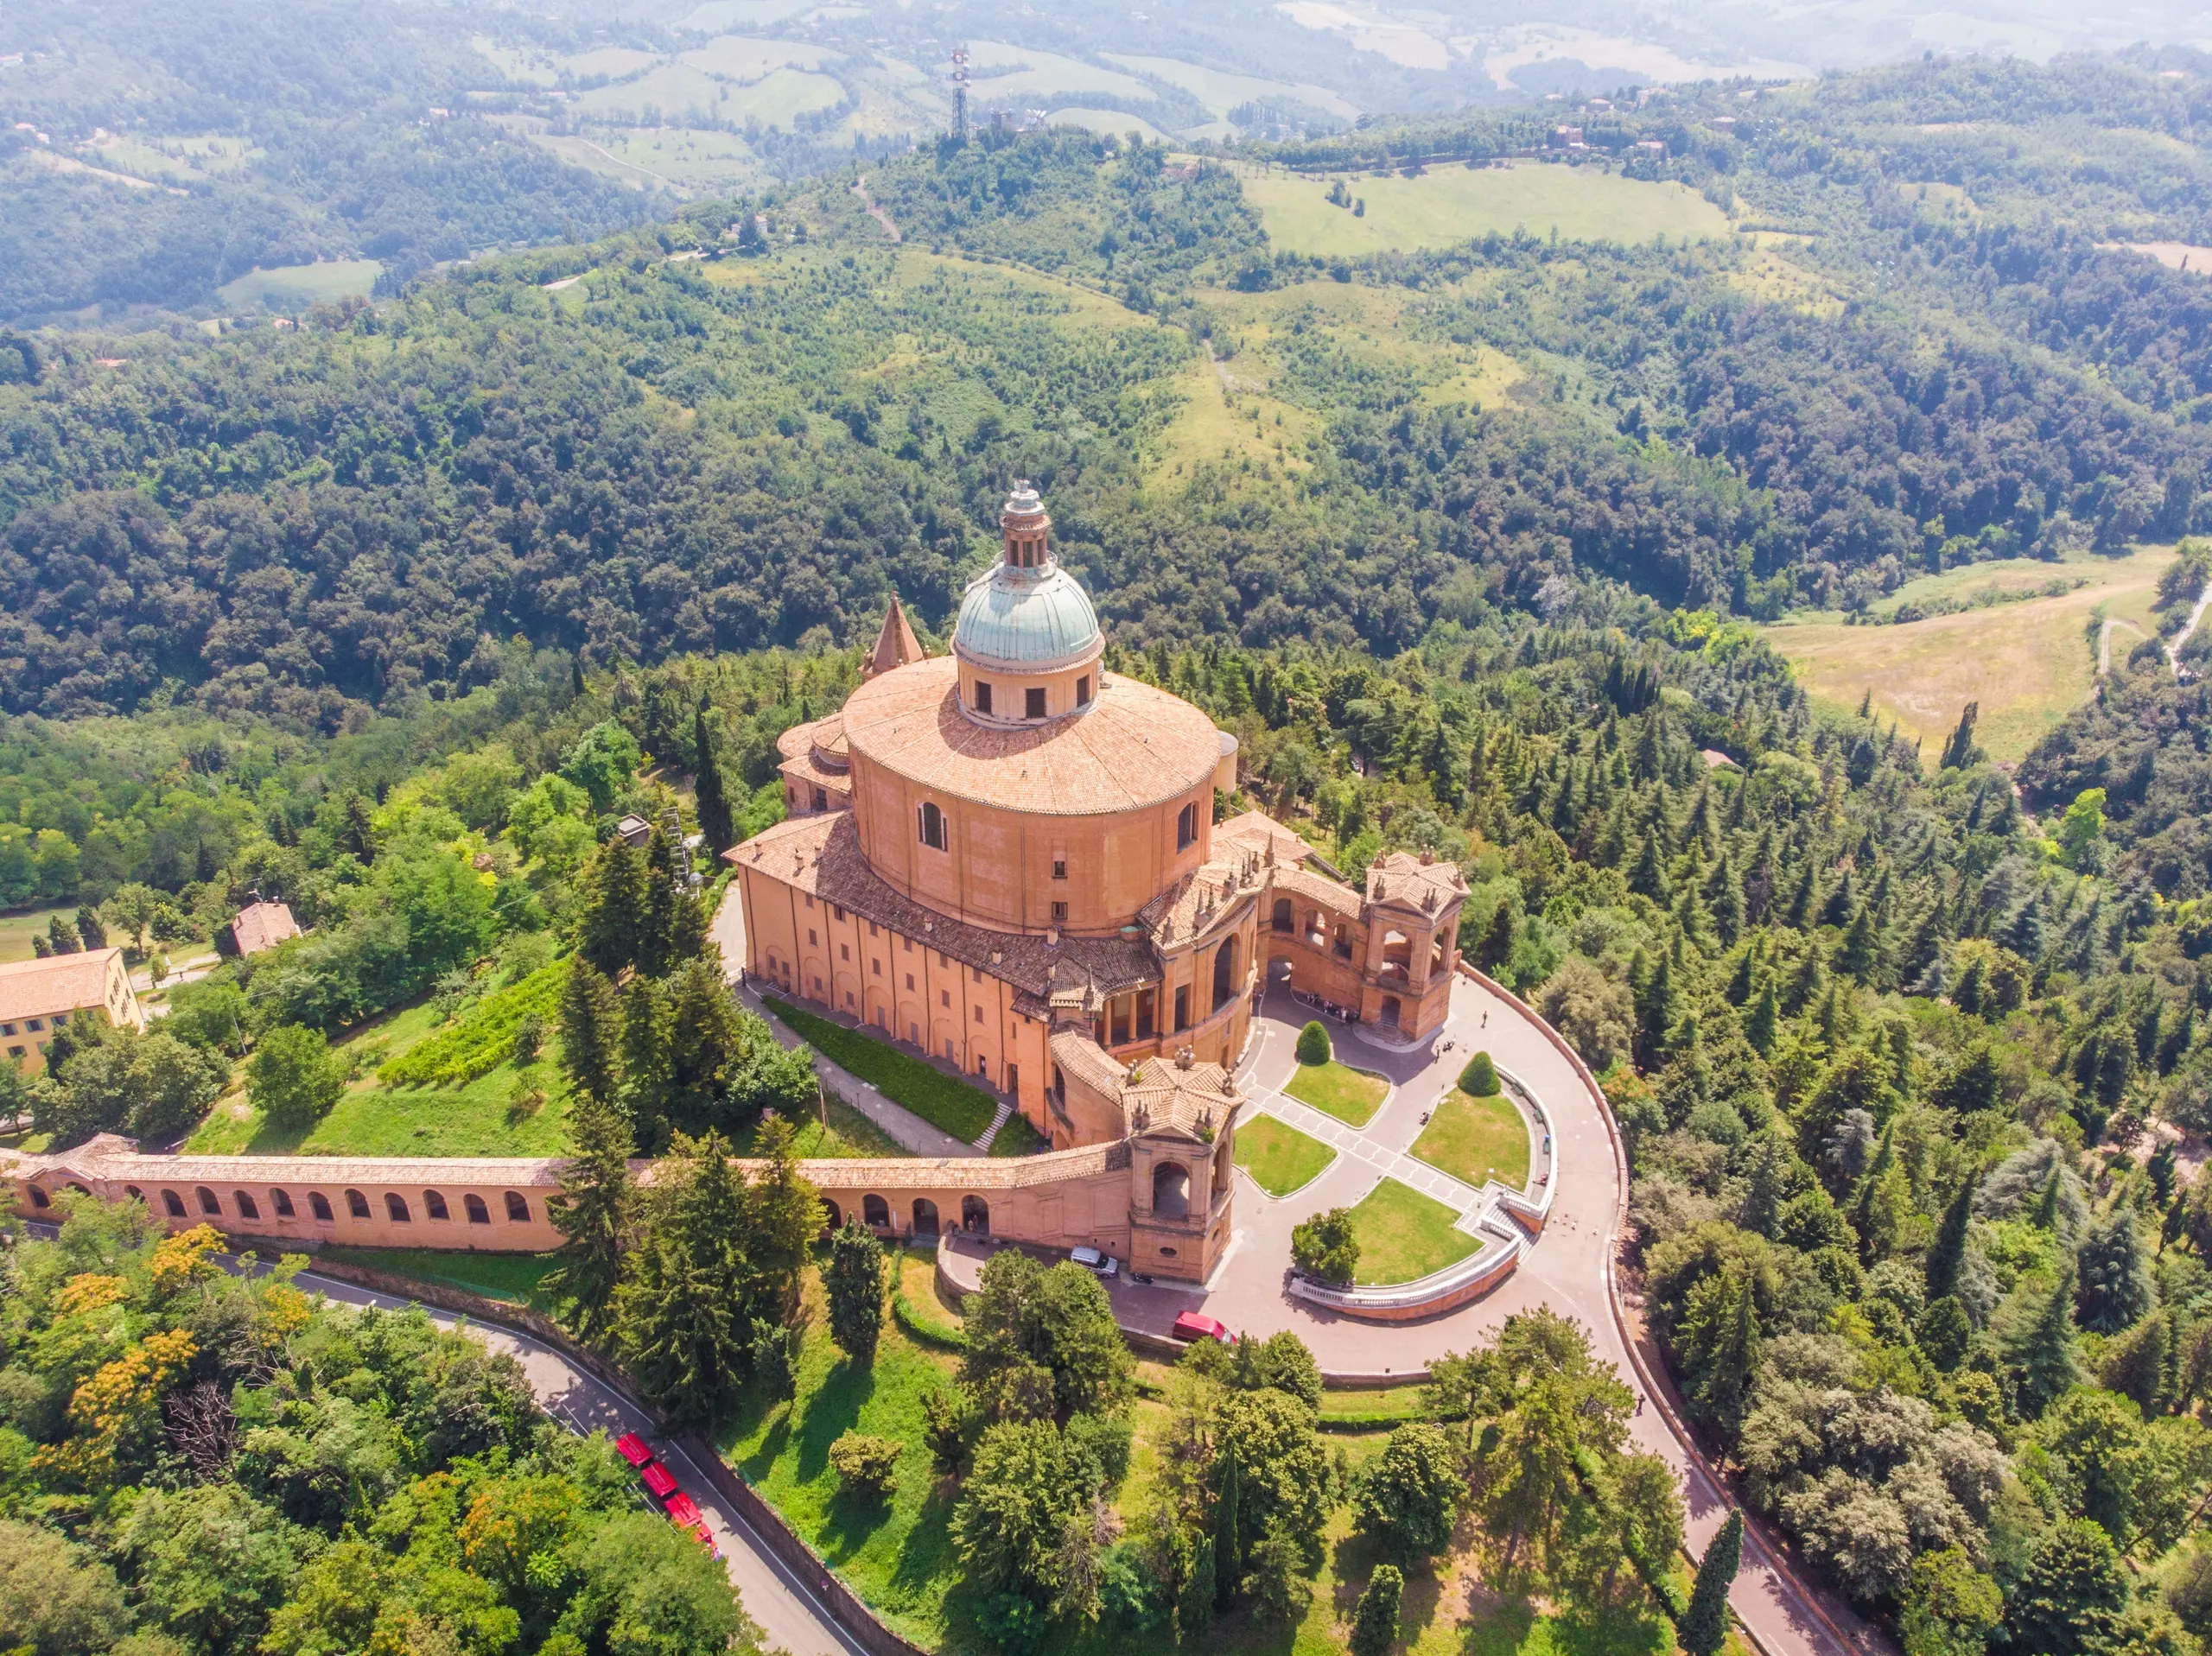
{"x": 247, "y": 1207}
{"x": 434, "y": 1205}
{"x": 976, "y": 1215}
{"x": 517, "y": 1209}
{"x": 1281, "y": 920}
{"x": 283, "y": 1203}
{"x": 357, "y": 1204}
{"x": 1186, "y": 828}
{"x": 395, "y": 1208}
{"x": 173, "y": 1203}
{"x": 932, "y": 826}
{"x": 876, "y": 1212}
{"x": 924, "y": 1217}
{"x": 1171, "y": 1192}
{"x": 1225, "y": 973}
{"x": 831, "y": 1218}
{"x": 477, "y": 1213}
{"x": 134, "y": 1193}
{"x": 39, "y": 1199}
{"x": 318, "y": 1205}
{"x": 208, "y": 1204}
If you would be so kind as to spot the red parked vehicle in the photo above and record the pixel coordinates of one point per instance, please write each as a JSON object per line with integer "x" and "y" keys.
{"x": 683, "y": 1511}
{"x": 1189, "y": 1325}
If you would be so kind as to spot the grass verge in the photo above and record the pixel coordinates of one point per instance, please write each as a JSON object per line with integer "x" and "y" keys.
{"x": 1477, "y": 1139}
{"x": 1351, "y": 1095}
{"x": 1279, "y": 1157}
{"x": 949, "y": 1106}
{"x": 1404, "y": 1235}
{"x": 516, "y": 1278}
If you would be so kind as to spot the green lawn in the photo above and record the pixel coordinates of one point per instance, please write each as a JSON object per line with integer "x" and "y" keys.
{"x": 1477, "y": 1139}
{"x": 1404, "y": 1235}
{"x": 17, "y": 929}
{"x": 849, "y": 1134}
{"x": 1278, "y": 1156}
{"x": 1337, "y": 1090}
{"x": 515, "y": 1277}
{"x": 951, "y": 1106}
{"x": 293, "y": 286}
{"x": 1450, "y": 205}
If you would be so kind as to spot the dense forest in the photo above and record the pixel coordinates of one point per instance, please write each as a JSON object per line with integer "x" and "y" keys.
{"x": 198, "y": 1463}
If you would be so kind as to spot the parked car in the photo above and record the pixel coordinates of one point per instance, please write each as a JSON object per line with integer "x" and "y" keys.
{"x": 1189, "y": 1325}
{"x": 683, "y": 1511}
{"x": 1091, "y": 1259}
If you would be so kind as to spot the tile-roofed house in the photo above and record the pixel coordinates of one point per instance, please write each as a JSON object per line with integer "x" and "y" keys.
{"x": 39, "y": 996}
{"x": 263, "y": 924}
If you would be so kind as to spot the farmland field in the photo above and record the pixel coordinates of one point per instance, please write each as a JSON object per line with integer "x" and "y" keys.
{"x": 1119, "y": 123}
{"x": 1005, "y": 75}
{"x": 1221, "y": 92}
{"x": 2027, "y": 662}
{"x": 290, "y": 286}
{"x": 741, "y": 57}
{"x": 1451, "y": 205}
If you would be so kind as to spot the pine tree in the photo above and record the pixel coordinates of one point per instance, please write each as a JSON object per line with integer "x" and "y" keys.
{"x": 1860, "y": 951}
{"x": 1946, "y": 1256}
{"x": 90, "y": 928}
{"x": 854, "y": 1281}
{"x": 715, "y": 821}
{"x": 1960, "y": 750}
{"x": 706, "y": 1039}
{"x": 1649, "y": 877}
{"x": 1704, "y": 1627}
{"x": 593, "y": 1215}
{"x": 591, "y": 1031}
{"x": 1759, "y": 1029}
{"x": 680, "y": 1309}
{"x": 611, "y": 931}
{"x": 783, "y": 1217}
{"x": 2039, "y": 1352}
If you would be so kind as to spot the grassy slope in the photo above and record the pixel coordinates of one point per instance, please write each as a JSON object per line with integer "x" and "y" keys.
{"x": 1351, "y": 1095}
{"x": 2028, "y": 662}
{"x": 1280, "y": 1157}
{"x": 1404, "y": 1235}
{"x": 951, "y": 1106}
{"x": 515, "y": 1277}
{"x": 1449, "y": 205}
{"x": 1477, "y": 1139}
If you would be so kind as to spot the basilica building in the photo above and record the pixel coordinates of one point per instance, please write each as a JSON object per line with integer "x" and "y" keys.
{"x": 1007, "y": 858}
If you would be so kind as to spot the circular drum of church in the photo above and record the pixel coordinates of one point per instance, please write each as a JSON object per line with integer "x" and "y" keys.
{"x": 1075, "y": 823}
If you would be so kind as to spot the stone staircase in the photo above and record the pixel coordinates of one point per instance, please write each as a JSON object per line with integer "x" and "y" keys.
{"x": 983, "y": 1138}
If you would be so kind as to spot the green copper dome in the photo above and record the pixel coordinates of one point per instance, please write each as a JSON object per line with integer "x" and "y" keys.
{"x": 1028, "y": 614}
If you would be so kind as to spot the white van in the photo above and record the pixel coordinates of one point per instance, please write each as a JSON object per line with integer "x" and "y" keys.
{"x": 1091, "y": 1259}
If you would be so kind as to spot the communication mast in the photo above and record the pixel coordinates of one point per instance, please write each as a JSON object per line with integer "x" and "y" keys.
{"x": 959, "y": 79}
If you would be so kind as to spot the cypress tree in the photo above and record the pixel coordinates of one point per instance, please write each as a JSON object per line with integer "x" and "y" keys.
{"x": 593, "y": 1215}
{"x": 714, "y": 819}
{"x": 611, "y": 931}
{"x": 1947, "y": 1254}
{"x": 1704, "y": 1626}
{"x": 1228, "y": 1549}
{"x": 90, "y": 928}
{"x": 664, "y": 894}
{"x": 591, "y": 1031}
{"x": 1375, "y": 1624}
{"x": 853, "y": 1280}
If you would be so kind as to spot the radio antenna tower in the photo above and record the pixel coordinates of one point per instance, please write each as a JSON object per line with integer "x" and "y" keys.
{"x": 959, "y": 79}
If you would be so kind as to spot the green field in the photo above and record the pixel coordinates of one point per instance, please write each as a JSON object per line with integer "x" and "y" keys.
{"x": 2027, "y": 662}
{"x": 1337, "y": 1090}
{"x": 1116, "y": 121}
{"x": 1010, "y": 75}
{"x": 290, "y": 287}
{"x": 1404, "y": 1235}
{"x": 1450, "y": 205}
{"x": 1477, "y": 1139}
{"x": 1221, "y": 92}
{"x": 1279, "y": 1157}
{"x": 17, "y": 929}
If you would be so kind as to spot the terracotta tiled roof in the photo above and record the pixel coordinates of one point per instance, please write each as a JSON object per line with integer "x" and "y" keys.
{"x": 896, "y": 646}
{"x": 64, "y": 983}
{"x": 1167, "y": 1095}
{"x": 1081, "y": 1056}
{"x": 1407, "y": 882}
{"x": 109, "y": 1157}
{"x": 1303, "y": 882}
{"x": 817, "y": 740}
{"x": 1203, "y": 901}
{"x": 1133, "y": 747}
{"x": 262, "y": 925}
{"x": 821, "y": 856}
{"x": 1257, "y": 831}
